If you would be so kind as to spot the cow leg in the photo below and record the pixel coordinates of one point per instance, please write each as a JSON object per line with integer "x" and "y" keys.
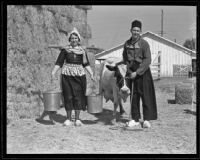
{"x": 121, "y": 109}
{"x": 114, "y": 120}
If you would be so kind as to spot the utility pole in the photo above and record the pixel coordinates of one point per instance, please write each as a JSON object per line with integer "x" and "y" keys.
{"x": 161, "y": 33}
{"x": 162, "y": 24}
{"x": 86, "y": 29}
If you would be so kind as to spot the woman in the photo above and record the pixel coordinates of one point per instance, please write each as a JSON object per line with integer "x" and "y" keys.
{"x": 73, "y": 59}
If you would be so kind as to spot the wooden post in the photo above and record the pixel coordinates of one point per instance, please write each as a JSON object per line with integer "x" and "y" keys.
{"x": 159, "y": 61}
{"x": 157, "y": 65}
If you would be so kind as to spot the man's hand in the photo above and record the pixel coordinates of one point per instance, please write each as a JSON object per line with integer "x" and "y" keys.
{"x": 133, "y": 75}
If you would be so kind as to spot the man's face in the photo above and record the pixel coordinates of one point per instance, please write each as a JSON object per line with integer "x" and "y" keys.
{"x": 135, "y": 31}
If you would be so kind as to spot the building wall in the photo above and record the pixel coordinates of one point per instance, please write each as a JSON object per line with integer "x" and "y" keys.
{"x": 169, "y": 56}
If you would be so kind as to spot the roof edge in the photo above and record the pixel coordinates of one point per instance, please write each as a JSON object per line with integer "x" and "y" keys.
{"x": 148, "y": 32}
{"x": 189, "y": 50}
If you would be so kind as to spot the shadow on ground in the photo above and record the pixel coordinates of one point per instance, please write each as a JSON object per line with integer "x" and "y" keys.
{"x": 53, "y": 117}
{"x": 106, "y": 117}
{"x": 187, "y": 111}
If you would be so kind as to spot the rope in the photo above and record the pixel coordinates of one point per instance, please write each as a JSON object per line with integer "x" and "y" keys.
{"x": 131, "y": 99}
{"x": 193, "y": 95}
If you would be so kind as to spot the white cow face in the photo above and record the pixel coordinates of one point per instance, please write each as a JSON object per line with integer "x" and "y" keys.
{"x": 120, "y": 70}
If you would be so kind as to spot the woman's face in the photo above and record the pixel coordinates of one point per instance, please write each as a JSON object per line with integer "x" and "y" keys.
{"x": 135, "y": 31}
{"x": 74, "y": 40}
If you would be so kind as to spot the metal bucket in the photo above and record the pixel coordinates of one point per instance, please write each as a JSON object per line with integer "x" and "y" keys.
{"x": 95, "y": 103}
{"x": 51, "y": 100}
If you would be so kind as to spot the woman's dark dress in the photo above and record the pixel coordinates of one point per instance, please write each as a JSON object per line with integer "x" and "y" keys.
{"x": 73, "y": 80}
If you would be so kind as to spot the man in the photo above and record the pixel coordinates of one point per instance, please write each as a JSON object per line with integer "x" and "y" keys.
{"x": 137, "y": 56}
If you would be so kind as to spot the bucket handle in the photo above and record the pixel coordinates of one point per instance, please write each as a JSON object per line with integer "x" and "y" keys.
{"x": 39, "y": 93}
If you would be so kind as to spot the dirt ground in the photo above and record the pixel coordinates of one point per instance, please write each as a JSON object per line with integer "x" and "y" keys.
{"x": 174, "y": 132}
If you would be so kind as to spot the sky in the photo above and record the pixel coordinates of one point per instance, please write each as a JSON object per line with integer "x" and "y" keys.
{"x": 110, "y": 25}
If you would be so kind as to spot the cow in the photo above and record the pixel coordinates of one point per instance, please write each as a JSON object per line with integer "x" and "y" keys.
{"x": 113, "y": 84}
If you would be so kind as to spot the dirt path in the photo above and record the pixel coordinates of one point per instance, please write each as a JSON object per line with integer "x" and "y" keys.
{"x": 174, "y": 132}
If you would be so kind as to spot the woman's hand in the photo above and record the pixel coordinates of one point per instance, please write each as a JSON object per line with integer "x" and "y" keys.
{"x": 53, "y": 73}
{"x": 93, "y": 78}
{"x": 53, "y": 76}
{"x": 89, "y": 70}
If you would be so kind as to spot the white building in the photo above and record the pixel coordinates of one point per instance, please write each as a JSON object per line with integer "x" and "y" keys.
{"x": 168, "y": 57}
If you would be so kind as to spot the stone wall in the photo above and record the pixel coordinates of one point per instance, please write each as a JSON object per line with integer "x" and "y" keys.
{"x": 30, "y": 29}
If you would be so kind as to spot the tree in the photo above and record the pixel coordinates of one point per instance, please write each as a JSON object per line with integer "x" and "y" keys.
{"x": 190, "y": 44}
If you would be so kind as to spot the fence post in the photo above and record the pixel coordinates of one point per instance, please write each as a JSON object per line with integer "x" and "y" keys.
{"x": 159, "y": 62}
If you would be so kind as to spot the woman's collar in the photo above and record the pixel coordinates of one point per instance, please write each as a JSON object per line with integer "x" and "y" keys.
{"x": 70, "y": 46}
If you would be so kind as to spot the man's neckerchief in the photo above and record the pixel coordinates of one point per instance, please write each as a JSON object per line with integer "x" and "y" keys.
{"x": 133, "y": 43}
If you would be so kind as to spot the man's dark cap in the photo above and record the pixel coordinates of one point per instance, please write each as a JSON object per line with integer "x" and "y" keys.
{"x": 136, "y": 23}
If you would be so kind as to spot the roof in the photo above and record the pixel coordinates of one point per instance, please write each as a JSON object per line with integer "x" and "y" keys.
{"x": 154, "y": 36}
{"x": 108, "y": 51}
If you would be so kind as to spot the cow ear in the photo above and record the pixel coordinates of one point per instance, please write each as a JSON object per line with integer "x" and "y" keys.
{"x": 111, "y": 68}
